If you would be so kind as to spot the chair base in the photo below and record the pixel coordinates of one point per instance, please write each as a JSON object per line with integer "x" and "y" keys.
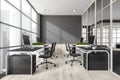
{"x": 46, "y": 62}
{"x": 67, "y": 55}
{"x": 55, "y": 56}
{"x": 74, "y": 60}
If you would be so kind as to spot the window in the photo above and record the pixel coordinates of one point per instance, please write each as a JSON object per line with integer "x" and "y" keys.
{"x": 4, "y": 37}
{"x": 34, "y": 15}
{"x": 26, "y": 23}
{"x": 15, "y": 36}
{"x": 98, "y": 36}
{"x": 14, "y": 22}
{"x": 34, "y": 27}
{"x": 34, "y": 38}
{"x": 26, "y": 8}
{"x": 84, "y": 33}
{"x": 16, "y": 3}
{"x": 9, "y": 14}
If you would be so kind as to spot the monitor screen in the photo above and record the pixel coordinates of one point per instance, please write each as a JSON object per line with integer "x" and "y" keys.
{"x": 117, "y": 45}
{"x": 26, "y": 40}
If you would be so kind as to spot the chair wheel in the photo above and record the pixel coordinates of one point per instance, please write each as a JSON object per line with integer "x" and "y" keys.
{"x": 46, "y": 67}
{"x": 71, "y": 64}
{"x": 56, "y": 57}
{"x": 54, "y": 65}
{"x": 80, "y": 63}
{"x": 66, "y": 62}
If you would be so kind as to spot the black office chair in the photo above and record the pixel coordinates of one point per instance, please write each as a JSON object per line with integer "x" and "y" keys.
{"x": 72, "y": 52}
{"x": 47, "y": 54}
{"x": 66, "y": 50}
{"x": 91, "y": 39}
{"x": 81, "y": 40}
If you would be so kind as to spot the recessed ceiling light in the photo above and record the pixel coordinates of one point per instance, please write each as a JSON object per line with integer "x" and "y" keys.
{"x": 74, "y": 10}
{"x": 46, "y": 10}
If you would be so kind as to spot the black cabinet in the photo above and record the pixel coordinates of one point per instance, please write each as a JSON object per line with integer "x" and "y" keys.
{"x": 96, "y": 61}
{"x": 116, "y": 62}
{"x": 21, "y": 64}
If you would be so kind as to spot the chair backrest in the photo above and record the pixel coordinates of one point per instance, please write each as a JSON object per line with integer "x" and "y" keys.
{"x": 91, "y": 39}
{"x": 52, "y": 49}
{"x": 54, "y": 46}
{"x": 71, "y": 51}
{"x": 81, "y": 40}
{"x": 66, "y": 45}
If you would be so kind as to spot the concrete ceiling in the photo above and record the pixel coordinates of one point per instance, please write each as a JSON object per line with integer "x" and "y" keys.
{"x": 61, "y": 7}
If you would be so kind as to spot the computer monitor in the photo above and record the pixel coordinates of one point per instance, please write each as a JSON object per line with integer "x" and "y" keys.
{"x": 118, "y": 45}
{"x": 38, "y": 39}
{"x": 91, "y": 39}
{"x": 26, "y": 40}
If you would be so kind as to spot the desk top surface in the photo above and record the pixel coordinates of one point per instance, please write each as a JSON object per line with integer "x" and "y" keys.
{"x": 27, "y": 49}
{"x": 90, "y": 48}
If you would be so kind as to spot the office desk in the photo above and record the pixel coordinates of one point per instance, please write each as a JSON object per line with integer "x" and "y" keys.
{"x": 82, "y": 51}
{"x": 116, "y": 60}
{"x": 21, "y": 64}
{"x": 94, "y": 59}
{"x": 24, "y": 52}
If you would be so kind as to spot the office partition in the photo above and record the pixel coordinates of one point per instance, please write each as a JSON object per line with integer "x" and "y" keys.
{"x": 106, "y": 27}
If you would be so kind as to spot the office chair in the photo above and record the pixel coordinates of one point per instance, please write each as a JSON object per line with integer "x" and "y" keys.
{"x": 72, "y": 52}
{"x": 47, "y": 54}
{"x": 91, "y": 39}
{"x": 66, "y": 50}
{"x": 81, "y": 40}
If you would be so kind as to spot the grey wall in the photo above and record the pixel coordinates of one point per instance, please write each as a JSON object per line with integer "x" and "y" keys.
{"x": 60, "y": 29}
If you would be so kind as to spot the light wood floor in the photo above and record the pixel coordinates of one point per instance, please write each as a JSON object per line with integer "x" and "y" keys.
{"x": 64, "y": 72}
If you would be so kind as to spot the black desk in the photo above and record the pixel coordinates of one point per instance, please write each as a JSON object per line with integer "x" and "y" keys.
{"x": 95, "y": 59}
{"x": 22, "y": 60}
{"x": 27, "y": 49}
{"x": 21, "y": 64}
{"x": 116, "y": 61}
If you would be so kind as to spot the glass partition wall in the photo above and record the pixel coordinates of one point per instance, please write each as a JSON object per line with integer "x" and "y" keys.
{"x": 17, "y": 17}
{"x": 116, "y": 23}
{"x": 105, "y": 23}
{"x": 101, "y": 30}
{"x": 88, "y": 19}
